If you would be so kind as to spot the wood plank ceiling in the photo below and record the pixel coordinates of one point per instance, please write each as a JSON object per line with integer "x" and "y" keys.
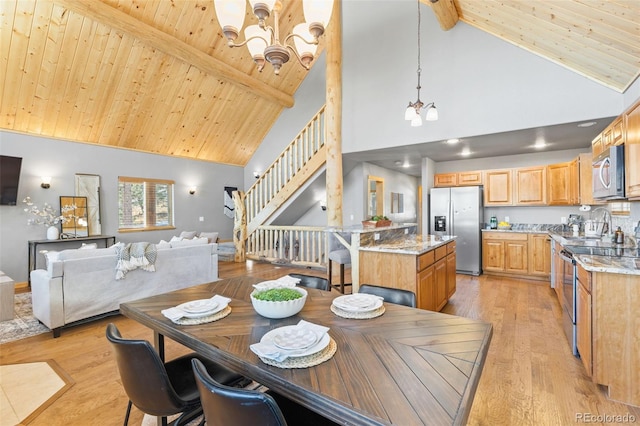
{"x": 157, "y": 76}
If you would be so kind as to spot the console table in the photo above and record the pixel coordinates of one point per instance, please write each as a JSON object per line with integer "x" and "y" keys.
{"x": 34, "y": 244}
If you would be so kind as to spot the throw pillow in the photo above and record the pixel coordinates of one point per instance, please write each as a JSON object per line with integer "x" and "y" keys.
{"x": 50, "y": 257}
{"x": 173, "y": 239}
{"x": 194, "y": 242}
{"x": 163, "y": 244}
{"x": 212, "y": 237}
{"x": 188, "y": 235}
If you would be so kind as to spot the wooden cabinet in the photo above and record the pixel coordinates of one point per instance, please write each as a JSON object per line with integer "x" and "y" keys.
{"x": 597, "y": 146}
{"x": 583, "y": 319}
{"x": 585, "y": 195}
{"x": 614, "y": 133}
{"x": 517, "y": 254}
{"x": 539, "y": 255}
{"x": 451, "y": 269}
{"x": 498, "y": 189}
{"x": 632, "y": 152}
{"x": 558, "y": 265}
{"x": 445, "y": 180}
{"x": 562, "y": 181}
{"x": 440, "y": 272}
{"x": 530, "y": 185}
{"x": 457, "y": 179}
{"x": 429, "y": 275}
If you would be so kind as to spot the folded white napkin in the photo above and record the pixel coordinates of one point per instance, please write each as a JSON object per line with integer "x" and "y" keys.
{"x": 282, "y": 282}
{"x": 271, "y": 351}
{"x": 176, "y": 313}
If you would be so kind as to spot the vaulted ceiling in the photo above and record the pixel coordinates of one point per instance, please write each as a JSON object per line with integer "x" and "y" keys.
{"x": 157, "y": 76}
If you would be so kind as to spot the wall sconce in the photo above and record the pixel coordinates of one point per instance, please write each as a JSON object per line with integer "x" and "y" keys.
{"x": 256, "y": 174}
{"x": 45, "y": 182}
{"x": 192, "y": 190}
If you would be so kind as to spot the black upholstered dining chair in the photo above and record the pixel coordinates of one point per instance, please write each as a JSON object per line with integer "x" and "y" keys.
{"x": 227, "y": 406}
{"x": 158, "y": 388}
{"x": 391, "y": 295}
{"x": 310, "y": 281}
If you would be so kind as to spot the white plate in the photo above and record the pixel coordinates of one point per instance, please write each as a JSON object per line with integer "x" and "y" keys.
{"x": 198, "y": 306}
{"x": 358, "y": 302}
{"x": 322, "y": 343}
{"x": 295, "y": 338}
{"x": 215, "y": 310}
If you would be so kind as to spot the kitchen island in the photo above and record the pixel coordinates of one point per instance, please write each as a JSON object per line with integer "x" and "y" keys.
{"x": 423, "y": 264}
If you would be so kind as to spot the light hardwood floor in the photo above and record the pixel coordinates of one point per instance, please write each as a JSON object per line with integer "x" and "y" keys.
{"x": 529, "y": 378}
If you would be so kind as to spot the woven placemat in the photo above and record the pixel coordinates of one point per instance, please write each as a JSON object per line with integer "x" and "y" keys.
{"x": 305, "y": 361}
{"x": 357, "y": 315}
{"x": 203, "y": 320}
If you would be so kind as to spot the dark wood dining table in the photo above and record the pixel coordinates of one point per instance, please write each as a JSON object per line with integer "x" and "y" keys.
{"x": 406, "y": 367}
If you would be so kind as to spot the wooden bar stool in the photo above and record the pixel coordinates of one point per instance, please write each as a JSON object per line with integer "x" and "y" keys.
{"x": 341, "y": 255}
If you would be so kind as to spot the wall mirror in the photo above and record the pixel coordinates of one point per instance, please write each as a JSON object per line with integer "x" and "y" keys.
{"x": 74, "y": 210}
{"x": 397, "y": 202}
{"x": 375, "y": 189}
{"x": 89, "y": 186}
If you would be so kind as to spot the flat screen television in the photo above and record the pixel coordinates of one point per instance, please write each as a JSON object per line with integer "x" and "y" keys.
{"x": 9, "y": 179}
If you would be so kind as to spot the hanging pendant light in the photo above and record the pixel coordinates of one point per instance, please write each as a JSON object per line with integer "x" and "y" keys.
{"x": 263, "y": 41}
{"x": 412, "y": 113}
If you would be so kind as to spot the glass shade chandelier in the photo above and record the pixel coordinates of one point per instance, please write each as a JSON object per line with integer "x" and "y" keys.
{"x": 263, "y": 41}
{"x": 413, "y": 110}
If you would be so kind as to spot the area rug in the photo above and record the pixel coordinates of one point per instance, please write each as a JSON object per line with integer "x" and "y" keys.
{"x": 20, "y": 400}
{"x": 23, "y": 324}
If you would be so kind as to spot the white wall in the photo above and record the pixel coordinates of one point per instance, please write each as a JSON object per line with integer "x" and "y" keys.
{"x": 480, "y": 84}
{"x": 62, "y": 160}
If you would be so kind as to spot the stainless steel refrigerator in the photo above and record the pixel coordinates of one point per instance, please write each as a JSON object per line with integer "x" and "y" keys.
{"x": 459, "y": 211}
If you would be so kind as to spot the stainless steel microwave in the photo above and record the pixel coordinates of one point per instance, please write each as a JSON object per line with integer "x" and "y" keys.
{"x": 608, "y": 174}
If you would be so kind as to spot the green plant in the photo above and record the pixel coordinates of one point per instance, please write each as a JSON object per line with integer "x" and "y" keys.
{"x": 278, "y": 295}
{"x": 378, "y": 217}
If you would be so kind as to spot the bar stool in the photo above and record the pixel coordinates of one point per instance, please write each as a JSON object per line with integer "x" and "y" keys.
{"x": 342, "y": 256}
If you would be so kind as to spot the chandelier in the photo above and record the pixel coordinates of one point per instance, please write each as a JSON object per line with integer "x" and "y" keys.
{"x": 263, "y": 41}
{"x": 413, "y": 110}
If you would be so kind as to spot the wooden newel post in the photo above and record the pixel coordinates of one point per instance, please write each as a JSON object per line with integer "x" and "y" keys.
{"x": 239, "y": 226}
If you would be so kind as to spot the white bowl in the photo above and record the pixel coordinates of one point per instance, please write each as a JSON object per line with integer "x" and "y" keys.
{"x": 279, "y": 309}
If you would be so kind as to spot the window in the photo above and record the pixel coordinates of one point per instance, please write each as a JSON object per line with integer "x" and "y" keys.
{"x": 144, "y": 204}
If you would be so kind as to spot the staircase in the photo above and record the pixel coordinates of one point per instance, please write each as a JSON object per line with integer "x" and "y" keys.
{"x": 299, "y": 161}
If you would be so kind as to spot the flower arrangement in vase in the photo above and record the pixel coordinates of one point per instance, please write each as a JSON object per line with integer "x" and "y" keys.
{"x": 47, "y": 216}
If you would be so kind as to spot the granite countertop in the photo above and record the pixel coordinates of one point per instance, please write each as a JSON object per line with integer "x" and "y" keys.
{"x": 411, "y": 244}
{"x": 609, "y": 264}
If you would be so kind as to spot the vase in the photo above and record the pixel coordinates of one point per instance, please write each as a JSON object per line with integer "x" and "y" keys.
{"x": 53, "y": 233}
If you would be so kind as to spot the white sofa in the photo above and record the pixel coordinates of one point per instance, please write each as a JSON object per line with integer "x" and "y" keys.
{"x": 81, "y": 284}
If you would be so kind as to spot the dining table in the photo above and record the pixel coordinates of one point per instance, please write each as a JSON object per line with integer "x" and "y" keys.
{"x": 406, "y": 366}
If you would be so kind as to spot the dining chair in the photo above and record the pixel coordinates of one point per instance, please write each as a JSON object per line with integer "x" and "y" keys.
{"x": 158, "y": 388}
{"x": 391, "y": 295}
{"x": 310, "y": 281}
{"x": 228, "y": 406}
{"x": 342, "y": 256}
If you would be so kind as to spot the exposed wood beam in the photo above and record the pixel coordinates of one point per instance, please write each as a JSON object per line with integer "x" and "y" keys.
{"x": 445, "y": 11}
{"x": 112, "y": 17}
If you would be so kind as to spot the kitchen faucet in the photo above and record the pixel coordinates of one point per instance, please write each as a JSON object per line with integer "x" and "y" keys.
{"x": 606, "y": 218}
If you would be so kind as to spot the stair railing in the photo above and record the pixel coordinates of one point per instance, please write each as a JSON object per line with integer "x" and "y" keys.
{"x": 297, "y": 245}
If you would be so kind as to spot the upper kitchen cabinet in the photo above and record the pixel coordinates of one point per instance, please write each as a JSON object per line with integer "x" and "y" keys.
{"x": 632, "y": 151}
{"x": 531, "y": 186}
{"x": 457, "y": 179}
{"x": 585, "y": 164}
{"x": 563, "y": 181}
{"x": 498, "y": 187}
{"x": 614, "y": 133}
{"x": 597, "y": 146}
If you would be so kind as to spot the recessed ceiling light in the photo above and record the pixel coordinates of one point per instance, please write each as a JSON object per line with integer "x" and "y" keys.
{"x": 465, "y": 152}
{"x": 587, "y": 124}
{"x": 540, "y": 143}
{"x": 452, "y": 141}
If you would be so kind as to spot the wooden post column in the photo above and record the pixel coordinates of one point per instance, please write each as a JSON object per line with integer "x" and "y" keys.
{"x": 239, "y": 226}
